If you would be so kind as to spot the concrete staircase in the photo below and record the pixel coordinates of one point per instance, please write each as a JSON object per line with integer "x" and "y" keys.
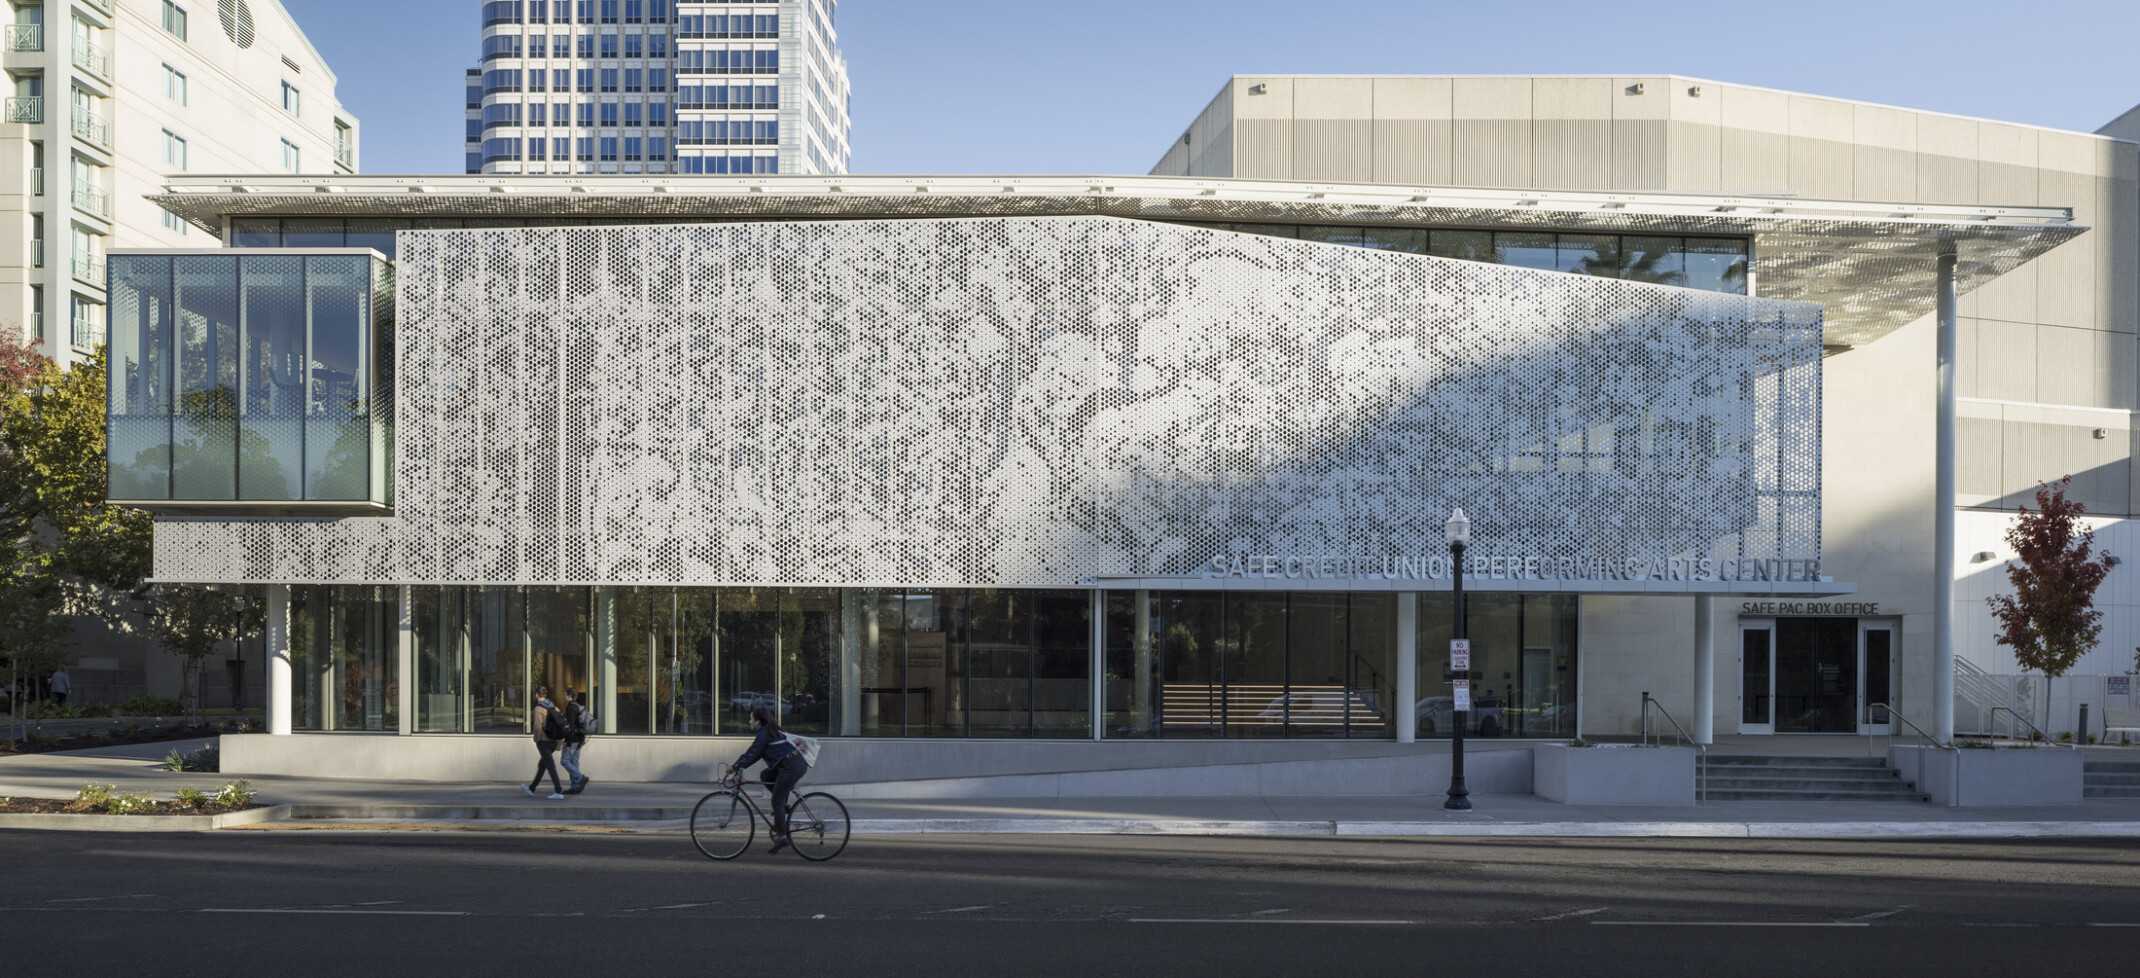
{"x": 2110, "y": 779}
{"x": 1790, "y": 777}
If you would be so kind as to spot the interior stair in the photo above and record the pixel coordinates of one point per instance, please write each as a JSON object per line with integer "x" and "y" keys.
{"x": 1795, "y": 777}
{"x": 2110, "y": 779}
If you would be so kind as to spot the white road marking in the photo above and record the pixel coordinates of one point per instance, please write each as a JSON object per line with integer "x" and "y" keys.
{"x": 959, "y": 909}
{"x": 373, "y": 913}
{"x": 126, "y": 896}
{"x": 1573, "y": 913}
{"x": 2113, "y": 925}
{"x": 1728, "y": 923}
{"x": 1255, "y": 920}
{"x": 376, "y": 903}
{"x": 683, "y": 906}
{"x": 1261, "y": 913}
{"x": 1878, "y": 914}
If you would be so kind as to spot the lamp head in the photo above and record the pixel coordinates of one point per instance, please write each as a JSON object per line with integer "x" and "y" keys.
{"x": 1458, "y": 530}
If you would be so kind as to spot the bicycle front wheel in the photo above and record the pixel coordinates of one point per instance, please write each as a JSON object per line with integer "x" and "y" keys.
{"x": 722, "y": 826}
{"x": 817, "y": 826}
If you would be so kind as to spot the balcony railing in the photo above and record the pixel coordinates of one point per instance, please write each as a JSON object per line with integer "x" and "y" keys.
{"x": 85, "y": 332}
{"x": 25, "y": 37}
{"x": 92, "y": 58}
{"x": 88, "y": 125}
{"x": 37, "y": 181}
{"x": 26, "y": 108}
{"x": 345, "y": 153}
{"x": 89, "y": 270}
{"x": 37, "y": 324}
{"x": 93, "y": 200}
{"x": 37, "y": 252}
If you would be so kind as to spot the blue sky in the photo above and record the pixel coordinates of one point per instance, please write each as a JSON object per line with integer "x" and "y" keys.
{"x": 1103, "y": 86}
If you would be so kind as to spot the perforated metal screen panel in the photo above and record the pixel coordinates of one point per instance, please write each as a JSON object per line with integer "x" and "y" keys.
{"x": 1034, "y": 401}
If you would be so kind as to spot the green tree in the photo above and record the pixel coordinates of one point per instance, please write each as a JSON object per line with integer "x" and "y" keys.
{"x": 2050, "y": 620}
{"x": 192, "y": 620}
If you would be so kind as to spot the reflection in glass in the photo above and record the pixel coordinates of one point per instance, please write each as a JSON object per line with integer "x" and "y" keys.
{"x": 1411, "y": 241}
{"x": 439, "y": 617}
{"x": 558, "y": 636}
{"x": 746, "y": 673}
{"x": 809, "y": 656}
{"x": 1462, "y": 245}
{"x": 1328, "y": 234}
{"x": 1589, "y": 254}
{"x": 1523, "y": 665}
{"x": 642, "y": 614}
{"x": 1661, "y": 261}
{"x": 1527, "y": 250}
{"x": 255, "y": 232}
{"x": 272, "y": 413}
{"x": 1716, "y": 265}
{"x": 683, "y": 676}
{"x": 1255, "y": 671}
{"x": 140, "y": 395}
{"x": 205, "y": 432}
{"x": 374, "y": 233}
{"x": 344, "y": 653}
{"x": 312, "y": 232}
{"x": 496, "y": 636}
{"x": 338, "y": 423}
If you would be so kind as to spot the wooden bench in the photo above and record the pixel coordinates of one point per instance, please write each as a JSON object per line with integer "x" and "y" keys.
{"x": 2120, "y": 721}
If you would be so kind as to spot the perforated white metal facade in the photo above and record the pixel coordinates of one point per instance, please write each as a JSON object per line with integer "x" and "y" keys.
{"x": 1033, "y": 401}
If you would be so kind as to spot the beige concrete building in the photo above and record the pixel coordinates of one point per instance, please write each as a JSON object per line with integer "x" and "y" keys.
{"x": 2045, "y": 372}
{"x": 108, "y": 97}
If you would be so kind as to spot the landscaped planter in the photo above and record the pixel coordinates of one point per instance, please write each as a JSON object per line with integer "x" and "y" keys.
{"x": 1981, "y": 778}
{"x": 143, "y": 823}
{"x": 1617, "y": 775}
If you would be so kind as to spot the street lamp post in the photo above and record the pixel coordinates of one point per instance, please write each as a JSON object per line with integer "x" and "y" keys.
{"x": 1458, "y": 532}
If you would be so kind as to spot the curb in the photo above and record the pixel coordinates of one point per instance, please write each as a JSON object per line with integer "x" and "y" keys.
{"x": 142, "y": 823}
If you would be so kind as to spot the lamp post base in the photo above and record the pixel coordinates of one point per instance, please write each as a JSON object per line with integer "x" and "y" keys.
{"x": 1459, "y": 796}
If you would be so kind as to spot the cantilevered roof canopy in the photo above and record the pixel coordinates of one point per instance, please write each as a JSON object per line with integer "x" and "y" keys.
{"x": 1870, "y": 264}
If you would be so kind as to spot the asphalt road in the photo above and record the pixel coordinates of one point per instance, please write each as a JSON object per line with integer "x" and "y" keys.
{"x": 420, "y": 903}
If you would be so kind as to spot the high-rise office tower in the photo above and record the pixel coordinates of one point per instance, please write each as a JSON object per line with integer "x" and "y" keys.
{"x": 653, "y": 86}
{"x": 112, "y": 98}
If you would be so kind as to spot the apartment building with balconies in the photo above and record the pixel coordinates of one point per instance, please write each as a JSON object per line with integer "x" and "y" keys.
{"x": 109, "y": 99}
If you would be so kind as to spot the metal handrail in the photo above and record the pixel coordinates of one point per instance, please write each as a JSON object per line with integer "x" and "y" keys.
{"x": 1893, "y": 715}
{"x": 2018, "y": 718}
{"x": 1701, "y": 750}
{"x": 25, "y": 37}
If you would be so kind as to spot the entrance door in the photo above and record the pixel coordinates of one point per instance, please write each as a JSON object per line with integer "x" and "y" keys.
{"x": 1757, "y": 674}
{"x": 1877, "y": 639}
{"x": 1817, "y": 675}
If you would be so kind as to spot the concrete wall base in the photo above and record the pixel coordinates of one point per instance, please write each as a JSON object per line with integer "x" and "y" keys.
{"x": 920, "y": 768}
{"x": 1992, "y": 778}
{"x": 1614, "y": 775}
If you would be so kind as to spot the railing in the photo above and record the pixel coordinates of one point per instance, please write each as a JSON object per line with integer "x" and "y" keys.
{"x": 25, "y": 37}
{"x": 85, "y": 333}
{"x": 37, "y": 252}
{"x": 91, "y": 58}
{"x": 37, "y": 323}
{"x": 93, "y": 199}
{"x": 88, "y": 125}
{"x": 89, "y": 269}
{"x": 345, "y": 154}
{"x": 26, "y": 108}
{"x": 2013, "y": 725}
{"x": 37, "y": 181}
{"x": 1701, "y": 750}
{"x": 1893, "y": 715}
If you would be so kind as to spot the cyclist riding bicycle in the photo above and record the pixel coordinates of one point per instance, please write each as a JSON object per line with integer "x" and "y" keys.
{"x": 784, "y": 766}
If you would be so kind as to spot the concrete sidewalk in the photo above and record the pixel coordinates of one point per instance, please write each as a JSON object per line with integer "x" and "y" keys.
{"x": 666, "y": 807}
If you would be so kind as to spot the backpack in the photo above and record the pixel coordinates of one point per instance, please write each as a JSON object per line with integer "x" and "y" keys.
{"x": 806, "y": 746}
{"x": 582, "y": 720}
{"x": 552, "y": 727}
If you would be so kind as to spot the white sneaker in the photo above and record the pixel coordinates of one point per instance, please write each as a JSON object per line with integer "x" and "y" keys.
{"x": 553, "y": 796}
{"x": 530, "y": 791}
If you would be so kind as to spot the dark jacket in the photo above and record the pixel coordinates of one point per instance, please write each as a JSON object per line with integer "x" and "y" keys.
{"x": 575, "y": 723}
{"x": 773, "y": 748}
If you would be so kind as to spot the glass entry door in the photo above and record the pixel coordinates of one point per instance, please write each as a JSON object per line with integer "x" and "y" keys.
{"x": 1757, "y": 692}
{"x": 1877, "y": 640}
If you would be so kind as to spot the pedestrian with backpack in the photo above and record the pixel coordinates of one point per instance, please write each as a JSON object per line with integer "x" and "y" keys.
{"x": 579, "y": 722}
{"x": 549, "y": 731}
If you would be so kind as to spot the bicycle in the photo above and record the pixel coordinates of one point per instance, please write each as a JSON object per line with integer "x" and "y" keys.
{"x": 725, "y": 821}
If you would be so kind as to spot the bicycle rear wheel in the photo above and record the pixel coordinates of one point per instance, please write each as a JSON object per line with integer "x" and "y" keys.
{"x": 722, "y": 826}
{"x": 817, "y": 826}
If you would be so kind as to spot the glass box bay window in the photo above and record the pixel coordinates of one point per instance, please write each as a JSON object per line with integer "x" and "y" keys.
{"x": 252, "y": 383}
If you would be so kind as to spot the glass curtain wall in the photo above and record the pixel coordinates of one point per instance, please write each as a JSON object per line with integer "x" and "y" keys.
{"x": 344, "y": 655}
{"x": 1232, "y": 664}
{"x": 1523, "y": 665}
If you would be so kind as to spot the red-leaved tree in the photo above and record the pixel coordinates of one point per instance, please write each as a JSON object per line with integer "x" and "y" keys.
{"x": 2050, "y": 620}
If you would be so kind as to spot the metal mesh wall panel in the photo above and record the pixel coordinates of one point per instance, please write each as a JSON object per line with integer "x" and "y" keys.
{"x": 1032, "y": 401}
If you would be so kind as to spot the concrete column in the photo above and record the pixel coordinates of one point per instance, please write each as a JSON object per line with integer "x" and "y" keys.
{"x": 1407, "y": 666}
{"x": 405, "y": 663}
{"x": 278, "y": 658}
{"x": 1943, "y": 517}
{"x": 1704, "y": 669}
{"x": 1099, "y": 663}
{"x": 605, "y": 656}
